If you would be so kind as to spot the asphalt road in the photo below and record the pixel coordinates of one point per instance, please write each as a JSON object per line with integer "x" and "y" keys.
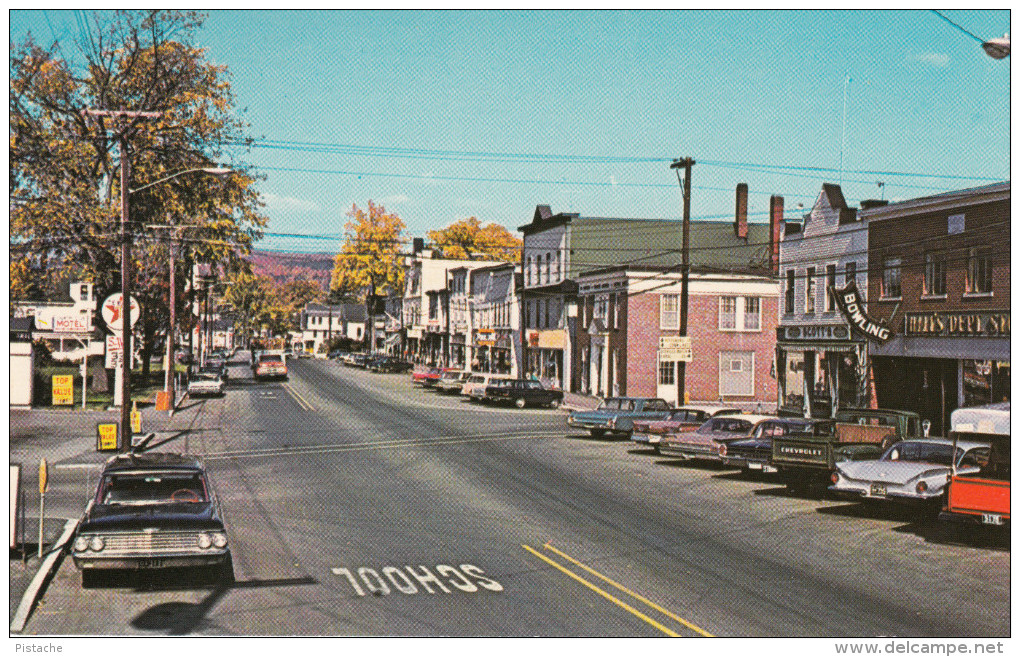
{"x": 360, "y": 505}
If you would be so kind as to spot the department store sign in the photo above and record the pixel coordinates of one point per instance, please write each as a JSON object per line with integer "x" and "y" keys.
{"x": 957, "y": 324}
{"x": 850, "y": 304}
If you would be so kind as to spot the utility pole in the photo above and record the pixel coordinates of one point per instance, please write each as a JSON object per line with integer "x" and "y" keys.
{"x": 125, "y": 263}
{"x": 171, "y": 350}
{"x": 685, "y": 264}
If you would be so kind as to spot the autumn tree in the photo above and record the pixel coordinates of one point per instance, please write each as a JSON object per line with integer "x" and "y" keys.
{"x": 468, "y": 239}
{"x": 64, "y": 182}
{"x": 249, "y": 296}
{"x": 369, "y": 261}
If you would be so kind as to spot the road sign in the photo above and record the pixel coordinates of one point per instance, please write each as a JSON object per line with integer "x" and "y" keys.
{"x": 107, "y": 437}
{"x": 115, "y": 352}
{"x": 113, "y": 311}
{"x": 63, "y": 389}
{"x": 674, "y": 349}
{"x": 43, "y": 473}
{"x": 136, "y": 421}
{"x": 675, "y": 342}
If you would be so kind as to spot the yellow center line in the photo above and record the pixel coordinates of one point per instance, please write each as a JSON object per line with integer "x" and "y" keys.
{"x": 659, "y": 626}
{"x": 629, "y": 592}
{"x": 301, "y": 401}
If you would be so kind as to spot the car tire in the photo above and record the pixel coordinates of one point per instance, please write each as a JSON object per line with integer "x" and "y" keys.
{"x": 554, "y": 404}
{"x": 520, "y": 403}
{"x": 598, "y": 433}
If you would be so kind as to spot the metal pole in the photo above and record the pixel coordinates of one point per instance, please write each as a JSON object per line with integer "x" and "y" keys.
{"x": 125, "y": 288}
{"x": 171, "y": 348}
{"x": 685, "y": 164}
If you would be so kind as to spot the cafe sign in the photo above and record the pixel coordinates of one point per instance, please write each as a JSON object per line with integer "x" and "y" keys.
{"x": 851, "y": 305}
{"x": 970, "y": 324}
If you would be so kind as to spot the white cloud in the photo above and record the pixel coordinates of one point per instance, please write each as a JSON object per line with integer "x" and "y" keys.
{"x": 936, "y": 59}
{"x": 289, "y": 204}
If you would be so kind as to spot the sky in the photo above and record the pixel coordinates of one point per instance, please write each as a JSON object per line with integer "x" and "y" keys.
{"x": 444, "y": 115}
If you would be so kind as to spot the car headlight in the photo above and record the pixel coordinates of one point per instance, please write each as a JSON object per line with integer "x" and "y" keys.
{"x": 219, "y": 540}
{"x": 835, "y": 477}
{"x": 97, "y": 544}
{"x": 921, "y": 487}
{"x": 81, "y": 544}
{"x": 204, "y": 541}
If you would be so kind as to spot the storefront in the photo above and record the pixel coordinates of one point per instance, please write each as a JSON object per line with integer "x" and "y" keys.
{"x": 820, "y": 368}
{"x": 942, "y": 361}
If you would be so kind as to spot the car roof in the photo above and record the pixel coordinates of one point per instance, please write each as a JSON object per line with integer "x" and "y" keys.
{"x": 708, "y": 408}
{"x": 990, "y": 419}
{"x": 152, "y": 461}
{"x": 637, "y": 399}
{"x": 750, "y": 417}
{"x": 938, "y": 440}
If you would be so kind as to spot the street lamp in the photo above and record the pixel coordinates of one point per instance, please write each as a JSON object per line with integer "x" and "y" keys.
{"x": 997, "y": 48}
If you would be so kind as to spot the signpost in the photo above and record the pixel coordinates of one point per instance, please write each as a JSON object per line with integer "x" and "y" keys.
{"x": 107, "y": 437}
{"x": 42, "y": 500}
{"x": 63, "y": 389}
{"x": 674, "y": 349}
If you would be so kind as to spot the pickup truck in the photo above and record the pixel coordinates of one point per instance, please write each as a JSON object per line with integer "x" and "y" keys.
{"x": 616, "y": 415}
{"x": 858, "y": 434}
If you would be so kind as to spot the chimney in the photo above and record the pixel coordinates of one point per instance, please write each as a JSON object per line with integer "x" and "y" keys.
{"x": 775, "y": 225}
{"x": 872, "y": 203}
{"x": 740, "y": 222}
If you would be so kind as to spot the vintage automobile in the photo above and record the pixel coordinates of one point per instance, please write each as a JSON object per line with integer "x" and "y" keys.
{"x": 474, "y": 387}
{"x": 388, "y": 364}
{"x": 152, "y": 510}
{"x": 269, "y": 365}
{"x": 451, "y": 382}
{"x": 755, "y": 452}
{"x": 521, "y": 393}
{"x": 704, "y": 442}
{"x": 425, "y": 376}
{"x": 616, "y": 415}
{"x": 217, "y": 364}
{"x": 205, "y": 383}
{"x": 981, "y": 497}
{"x": 807, "y": 462}
{"x": 685, "y": 418}
{"x": 916, "y": 469}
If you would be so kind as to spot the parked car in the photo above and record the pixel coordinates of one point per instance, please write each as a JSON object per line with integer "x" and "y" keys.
{"x": 685, "y": 418}
{"x": 858, "y": 434}
{"x": 474, "y": 387}
{"x": 336, "y": 354}
{"x": 981, "y": 497}
{"x": 915, "y": 470}
{"x": 388, "y": 364}
{"x": 705, "y": 441}
{"x": 205, "y": 383}
{"x": 217, "y": 364}
{"x": 425, "y": 375}
{"x": 151, "y": 511}
{"x": 521, "y": 393}
{"x": 616, "y": 415}
{"x": 270, "y": 366}
{"x": 451, "y": 382}
{"x": 755, "y": 453}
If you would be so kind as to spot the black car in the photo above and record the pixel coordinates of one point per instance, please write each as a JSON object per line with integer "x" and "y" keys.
{"x": 755, "y": 453}
{"x": 388, "y": 364}
{"x": 152, "y": 510}
{"x": 522, "y": 392}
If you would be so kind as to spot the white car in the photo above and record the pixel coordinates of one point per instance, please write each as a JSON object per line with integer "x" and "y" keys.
{"x": 476, "y": 384}
{"x": 204, "y": 384}
{"x": 915, "y": 469}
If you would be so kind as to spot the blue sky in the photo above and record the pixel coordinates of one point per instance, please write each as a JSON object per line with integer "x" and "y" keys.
{"x": 743, "y": 92}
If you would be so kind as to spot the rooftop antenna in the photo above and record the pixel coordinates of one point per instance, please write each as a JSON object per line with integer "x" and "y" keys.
{"x": 881, "y": 186}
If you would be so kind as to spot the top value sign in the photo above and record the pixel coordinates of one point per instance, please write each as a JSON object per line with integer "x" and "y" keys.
{"x": 113, "y": 311}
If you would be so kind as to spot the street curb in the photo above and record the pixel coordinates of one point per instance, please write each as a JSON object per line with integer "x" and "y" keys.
{"x": 35, "y": 589}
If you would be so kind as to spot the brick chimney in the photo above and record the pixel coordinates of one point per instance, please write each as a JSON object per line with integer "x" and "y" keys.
{"x": 775, "y": 225}
{"x": 740, "y": 222}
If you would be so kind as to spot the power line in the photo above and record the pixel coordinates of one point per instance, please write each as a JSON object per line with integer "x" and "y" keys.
{"x": 957, "y": 26}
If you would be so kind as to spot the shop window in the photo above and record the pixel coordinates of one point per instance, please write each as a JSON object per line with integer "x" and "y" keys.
{"x": 979, "y": 271}
{"x": 669, "y": 311}
{"x": 791, "y": 279}
{"x": 736, "y": 373}
{"x": 809, "y": 291}
{"x": 935, "y": 274}
{"x": 667, "y": 373}
{"x": 891, "y": 278}
{"x": 830, "y": 285}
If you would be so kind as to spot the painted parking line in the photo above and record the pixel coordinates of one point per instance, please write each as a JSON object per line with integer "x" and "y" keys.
{"x": 612, "y": 598}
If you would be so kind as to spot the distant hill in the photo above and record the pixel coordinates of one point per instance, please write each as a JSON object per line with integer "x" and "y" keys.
{"x": 283, "y": 267}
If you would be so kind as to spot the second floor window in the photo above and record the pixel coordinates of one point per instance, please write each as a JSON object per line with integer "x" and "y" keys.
{"x": 601, "y": 311}
{"x": 727, "y": 313}
{"x": 891, "y": 278}
{"x": 935, "y": 274}
{"x": 830, "y": 285}
{"x": 739, "y": 314}
{"x": 752, "y": 314}
{"x": 791, "y": 281}
{"x": 669, "y": 313}
{"x": 850, "y": 273}
{"x": 809, "y": 290}
{"x": 979, "y": 271}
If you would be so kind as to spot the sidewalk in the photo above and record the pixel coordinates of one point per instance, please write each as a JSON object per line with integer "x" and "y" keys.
{"x": 575, "y": 401}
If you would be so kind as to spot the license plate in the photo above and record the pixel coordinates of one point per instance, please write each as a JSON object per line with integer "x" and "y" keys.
{"x": 770, "y": 469}
{"x": 878, "y": 490}
{"x": 991, "y": 519}
{"x": 150, "y": 563}
{"x": 754, "y": 466}
{"x": 640, "y": 437}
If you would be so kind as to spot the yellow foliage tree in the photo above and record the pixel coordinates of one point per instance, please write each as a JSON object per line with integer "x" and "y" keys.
{"x": 369, "y": 261}
{"x": 468, "y": 239}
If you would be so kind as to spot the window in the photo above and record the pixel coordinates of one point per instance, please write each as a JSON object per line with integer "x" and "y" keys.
{"x": 669, "y": 311}
{"x": 979, "y": 271}
{"x": 791, "y": 280}
{"x": 727, "y": 313}
{"x": 752, "y": 314}
{"x": 736, "y": 373}
{"x": 935, "y": 274}
{"x": 559, "y": 276}
{"x": 830, "y": 285}
{"x": 809, "y": 290}
{"x": 548, "y": 268}
{"x": 615, "y": 300}
{"x": 667, "y": 373}
{"x": 891, "y": 278}
{"x": 527, "y": 272}
{"x": 850, "y": 273}
{"x": 601, "y": 311}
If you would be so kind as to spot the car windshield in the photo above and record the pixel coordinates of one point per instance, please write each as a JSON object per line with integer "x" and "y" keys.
{"x": 271, "y": 359}
{"x": 155, "y": 488}
{"x": 207, "y": 376}
{"x": 920, "y": 452}
{"x": 725, "y": 424}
